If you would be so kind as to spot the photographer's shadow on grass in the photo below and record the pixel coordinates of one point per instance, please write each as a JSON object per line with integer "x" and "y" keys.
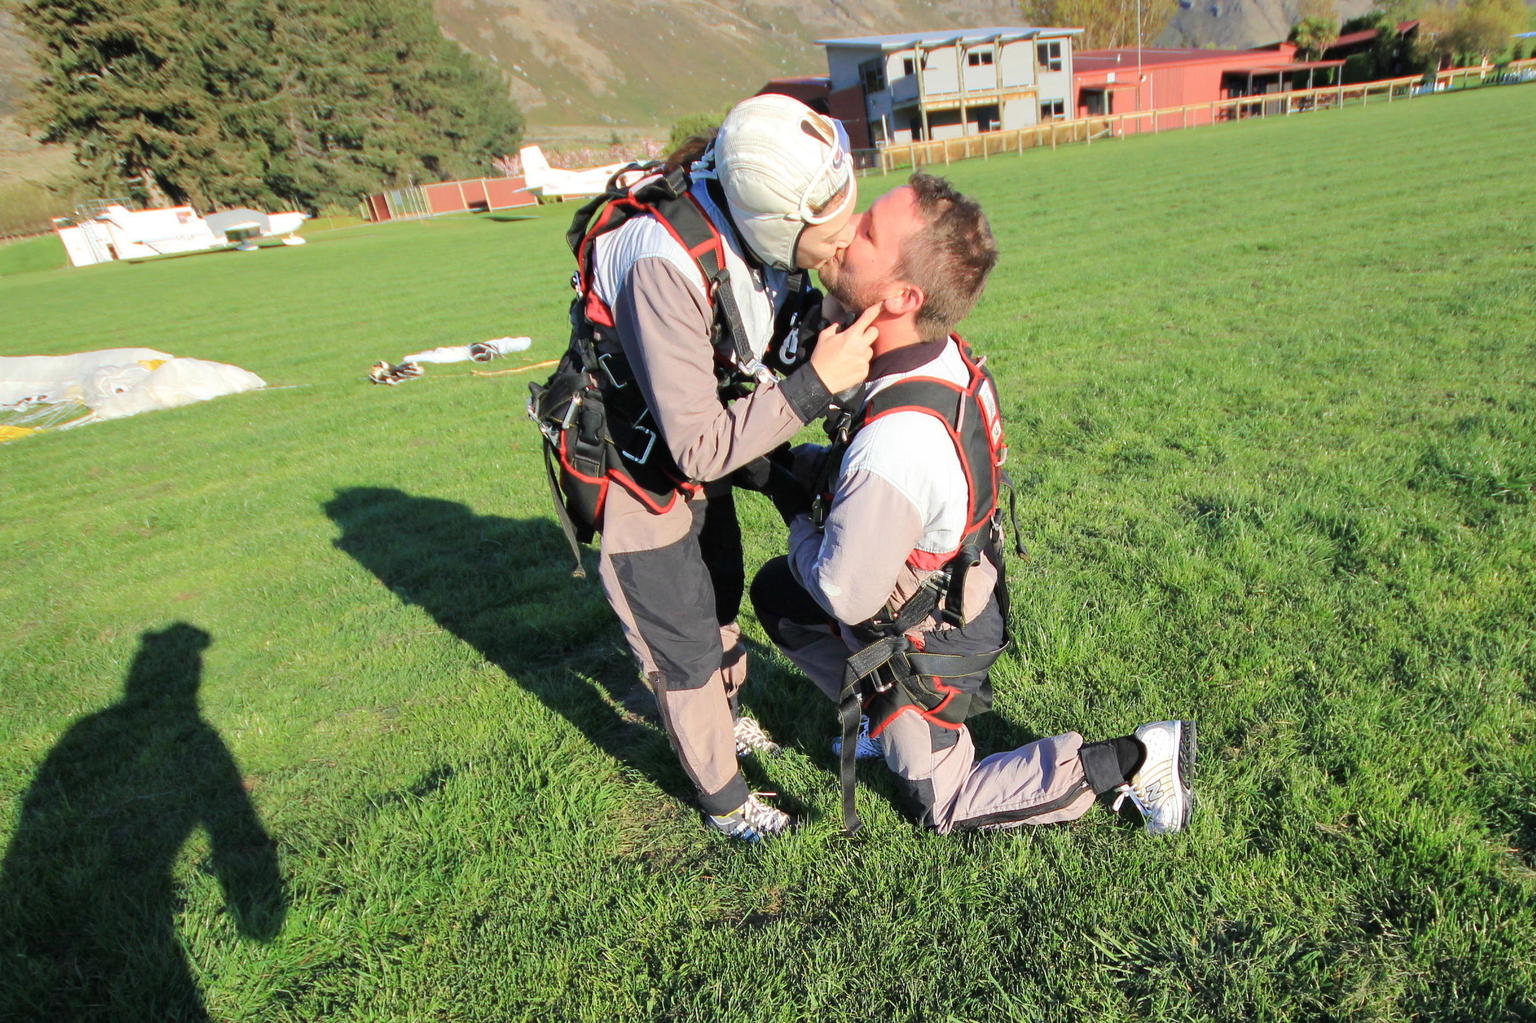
{"x": 87, "y": 896}
{"x": 504, "y": 586}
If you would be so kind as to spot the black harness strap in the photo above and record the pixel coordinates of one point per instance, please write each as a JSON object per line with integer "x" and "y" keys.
{"x": 567, "y": 526}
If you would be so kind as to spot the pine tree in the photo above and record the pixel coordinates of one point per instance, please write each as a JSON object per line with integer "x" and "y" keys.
{"x": 277, "y": 102}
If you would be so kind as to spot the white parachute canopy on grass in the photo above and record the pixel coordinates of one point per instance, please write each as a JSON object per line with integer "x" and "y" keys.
{"x": 89, "y": 387}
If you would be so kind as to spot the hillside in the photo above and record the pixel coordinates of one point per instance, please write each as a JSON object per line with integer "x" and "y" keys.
{"x": 643, "y": 63}
{"x": 1234, "y": 24}
{"x": 15, "y": 69}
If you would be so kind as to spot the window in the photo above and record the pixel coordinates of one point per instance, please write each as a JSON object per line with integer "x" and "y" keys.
{"x": 1052, "y": 109}
{"x": 872, "y": 75}
{"x": 908, "y": 67}
{"x": 979, "y": 58}
{"x": 1048, "y": 56}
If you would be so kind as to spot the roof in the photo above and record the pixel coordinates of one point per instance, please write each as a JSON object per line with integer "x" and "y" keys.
{"x": 1300, "y": 65}
{"x": 1365, "y": 35}
{"x": 1129, "y": 57}
{"x": 903, "y": 40}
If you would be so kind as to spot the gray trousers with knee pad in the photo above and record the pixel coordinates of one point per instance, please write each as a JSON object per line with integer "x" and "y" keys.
{"x": 1042, "y": 782}
{"x": 675, "y": 582}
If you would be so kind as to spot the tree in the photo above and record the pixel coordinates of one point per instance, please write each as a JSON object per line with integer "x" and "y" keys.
{"x": 1106, "y": 24}
{"x": 1397, "y": 10}
{"x": 1317, "y": 29}
{"x": 1474, "y": 30}
{"x": 1483, "y": 27}
{"x": 293, "y": 102}
{"x": 123, "y": 86}
{"x": 1386, "y": 57}
{"x": 1313, "y": 35}
{"x": 1435, "y": 43}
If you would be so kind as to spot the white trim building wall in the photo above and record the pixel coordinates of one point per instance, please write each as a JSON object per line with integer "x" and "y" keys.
{"x": 940, "y": 85}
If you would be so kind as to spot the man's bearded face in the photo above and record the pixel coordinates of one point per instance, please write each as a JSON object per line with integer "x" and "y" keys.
{"x": 863, "y": 273}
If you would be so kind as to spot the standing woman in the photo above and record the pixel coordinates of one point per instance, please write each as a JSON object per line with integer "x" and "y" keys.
{"x": 777, "y": 185}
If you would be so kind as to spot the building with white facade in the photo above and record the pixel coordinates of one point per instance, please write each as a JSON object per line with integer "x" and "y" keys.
{"x": 940, "y": 85}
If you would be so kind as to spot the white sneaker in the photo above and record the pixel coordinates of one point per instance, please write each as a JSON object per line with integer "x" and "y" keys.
{"x": 752, "y": 821}
{"x": 869, "y": 748}
{"x": 1160, "y": 789}
{"x": 750, "y": 738}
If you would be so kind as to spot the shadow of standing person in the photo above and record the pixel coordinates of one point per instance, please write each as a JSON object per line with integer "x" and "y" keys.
{"x": 504, "y": 587}
{"x": 87, "y": 896}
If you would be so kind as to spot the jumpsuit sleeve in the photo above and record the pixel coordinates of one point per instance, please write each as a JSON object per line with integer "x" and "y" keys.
{"x": 664, "y": 321}
{"x": 851, "y": 565}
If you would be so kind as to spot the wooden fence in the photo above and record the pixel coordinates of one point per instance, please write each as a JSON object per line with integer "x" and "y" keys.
{"x": 1090, "y": 129}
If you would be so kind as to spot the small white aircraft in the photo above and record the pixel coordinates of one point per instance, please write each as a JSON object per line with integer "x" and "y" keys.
{"x": 558, "y": 183}
{"x": 115, "y": 232}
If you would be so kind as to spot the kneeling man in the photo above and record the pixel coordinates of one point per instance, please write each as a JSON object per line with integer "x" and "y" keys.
{"x": 892, "y": 597}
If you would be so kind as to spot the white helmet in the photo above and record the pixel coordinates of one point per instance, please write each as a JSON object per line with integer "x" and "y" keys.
{"x": 778, "y": 162}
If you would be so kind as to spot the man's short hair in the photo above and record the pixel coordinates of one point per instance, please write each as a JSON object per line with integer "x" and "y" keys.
{"x": 949, "y": 257}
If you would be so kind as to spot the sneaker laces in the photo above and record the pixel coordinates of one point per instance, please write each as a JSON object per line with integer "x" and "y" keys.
{"x": 750, "y": 738}
{"x": 1151, "y": 795}
{"x": 1125, "y": 792}
{"x": 753, "y": 820}
{"x": 868, "y": 748}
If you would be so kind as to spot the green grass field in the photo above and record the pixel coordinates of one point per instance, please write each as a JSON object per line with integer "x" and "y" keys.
{"x": 1272, "y": 398}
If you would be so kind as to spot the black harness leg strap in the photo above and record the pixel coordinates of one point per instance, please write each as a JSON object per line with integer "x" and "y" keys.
{"x": 849, "y": 708}
{"x": 562, "y": 513}
{"x": 862, "y": 664}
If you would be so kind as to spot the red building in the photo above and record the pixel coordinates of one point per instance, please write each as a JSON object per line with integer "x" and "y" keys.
{"x": 1128, "y": 80}
{"x": 815, "y": 91}
{"x": 476, "y": 194}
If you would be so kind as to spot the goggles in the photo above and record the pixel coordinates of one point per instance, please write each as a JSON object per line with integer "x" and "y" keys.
{"x": 837, "y": 165}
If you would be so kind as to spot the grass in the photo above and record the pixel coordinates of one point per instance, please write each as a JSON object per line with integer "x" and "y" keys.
{"x": 1272, "y": 400}
{"x": 28, "y": 255}
{"x": 46, "y": 252}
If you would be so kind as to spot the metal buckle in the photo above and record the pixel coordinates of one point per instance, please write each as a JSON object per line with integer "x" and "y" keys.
{"x": 602, "y": 362}
{"x": 650, "y": 443}
{"x": 570, "y": 412}
{"x": 789, "y": 351}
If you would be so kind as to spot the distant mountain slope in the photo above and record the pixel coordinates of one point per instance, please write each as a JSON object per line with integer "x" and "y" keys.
{"x": 1236, "y": 24}
{"x": 16, "y": 69}
{"x": 649, "y": 61}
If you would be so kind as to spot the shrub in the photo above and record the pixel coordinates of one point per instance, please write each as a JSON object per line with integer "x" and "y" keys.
{"x": 690, "y": 126}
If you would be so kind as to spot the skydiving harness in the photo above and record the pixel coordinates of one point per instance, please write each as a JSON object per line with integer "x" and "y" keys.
{"x": 892, "y": 672}
{"x": 597, "y": 427}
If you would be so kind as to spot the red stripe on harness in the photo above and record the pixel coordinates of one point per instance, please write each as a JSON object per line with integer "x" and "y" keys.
{"x": 597, "y": 310}
{"x": 950, "y": 692}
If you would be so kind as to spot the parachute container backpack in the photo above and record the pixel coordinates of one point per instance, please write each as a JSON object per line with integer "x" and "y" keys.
{"x": 598, "y": 431}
